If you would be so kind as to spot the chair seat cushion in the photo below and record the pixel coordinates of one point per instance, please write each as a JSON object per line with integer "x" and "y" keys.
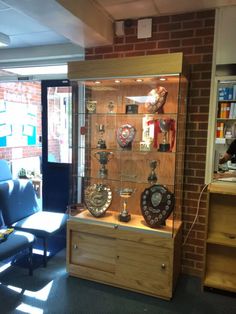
{"x": 43, "y": 223}
{"x": 16, "y": 241}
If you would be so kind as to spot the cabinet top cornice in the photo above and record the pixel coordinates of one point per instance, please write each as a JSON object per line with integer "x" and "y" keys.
{"x": 162, "y": 64}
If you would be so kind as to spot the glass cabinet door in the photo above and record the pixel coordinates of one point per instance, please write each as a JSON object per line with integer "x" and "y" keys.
{"x": 127, "y": 159}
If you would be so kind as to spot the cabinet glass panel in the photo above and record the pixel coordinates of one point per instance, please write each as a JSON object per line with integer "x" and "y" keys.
{"x": 128, "y": 149}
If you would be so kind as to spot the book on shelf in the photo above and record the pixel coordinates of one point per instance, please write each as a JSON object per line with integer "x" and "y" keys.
{"x": 226, "y": 93}
{"x": 234, "y": 92}
{"x": 220, "y": 130}
{"x": 224, "y": 110}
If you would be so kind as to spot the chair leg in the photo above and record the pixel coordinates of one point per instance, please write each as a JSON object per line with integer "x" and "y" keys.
{"x": 30, "y": 260}
{"x": 45, "y": 247}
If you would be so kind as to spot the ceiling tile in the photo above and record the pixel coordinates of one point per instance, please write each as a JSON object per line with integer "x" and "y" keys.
{"x": 37, "y": 39}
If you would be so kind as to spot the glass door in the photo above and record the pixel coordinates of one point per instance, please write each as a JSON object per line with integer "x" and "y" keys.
{"x": 57, "y": 144}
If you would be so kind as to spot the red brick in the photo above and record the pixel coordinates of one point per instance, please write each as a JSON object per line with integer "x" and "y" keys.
{"x": 160, "y": 19}
{"x": 160, "y": 36}
{"x": 103, "y": 49}
{"x": 123, "y": 47}
{"x": 119, "y": 40}
{"x": 205, "y": 32}
{"x": 129, "y": 31}
{"x": 135, "y": 54}
{"x": 204, "y": 49}
{"x": 207, "y": 58}
{"x": 193, "y": 24}
{"x": 209, "y": 22}
{"x": 192, "y": 41}
{"x": 157, "y": 51}
{"x": 168, "y": 43}
{"x": 169, "y": 27}
{"x": 185, "y": 50}
{"x": 132, "y": 40}
{"x": 111, "y": 55}
{"x": 206, "y": 14}
{"x": 145, "y": 46}
{"x": 183, "y": 17}
{"x": 89, "y": 51}
{"x": 182, "y": 34}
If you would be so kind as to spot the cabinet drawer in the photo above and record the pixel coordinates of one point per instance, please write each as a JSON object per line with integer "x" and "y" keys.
{"x": 107, "y": 230}
{"x": 144, "y": 268}
{"x": 93, "y": 251}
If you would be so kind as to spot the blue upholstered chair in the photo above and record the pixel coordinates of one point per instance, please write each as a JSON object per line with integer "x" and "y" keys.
{"x": 19, "y": 207}
{"x": 15, "y": 243}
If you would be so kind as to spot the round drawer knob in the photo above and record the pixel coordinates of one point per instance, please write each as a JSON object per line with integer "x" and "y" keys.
{"x": 75, "y": 246}
{"x": 163, "y": 266}
{"x": 115, "y": 226}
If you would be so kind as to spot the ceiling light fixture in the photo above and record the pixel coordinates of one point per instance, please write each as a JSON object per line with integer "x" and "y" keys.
{"x": 4, "y": 40}
{"x": 138, "y": 80}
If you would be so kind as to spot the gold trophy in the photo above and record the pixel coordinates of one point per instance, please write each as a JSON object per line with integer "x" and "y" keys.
{"x": 125, "y": 193}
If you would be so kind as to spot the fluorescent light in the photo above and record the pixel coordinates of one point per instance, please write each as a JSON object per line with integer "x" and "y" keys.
{"x": 54, "y": 69}
{"x": 4, "y": 40}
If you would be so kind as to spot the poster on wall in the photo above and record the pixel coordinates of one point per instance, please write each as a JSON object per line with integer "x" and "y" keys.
{"x": 18, "y": 124}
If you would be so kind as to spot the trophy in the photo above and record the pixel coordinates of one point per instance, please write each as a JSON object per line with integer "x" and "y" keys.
{"x": 91, "y": 106}
{"x": 125, "y": 135}
{"x": 156, "y": 99}
{"x": 165, "y": 125}
{"x": 98, "y": 198}
{"x": 152, "y": 178}
{"x": 101, "y": 142}
{"x": 111, "y": 106}
{"x": 147, "y": 134}
{"x": 103, "y": 158}
{"x": 125, "y": 193}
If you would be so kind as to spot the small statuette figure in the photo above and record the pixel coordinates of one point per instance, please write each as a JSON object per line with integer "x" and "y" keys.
{"x": 101, "y": 142}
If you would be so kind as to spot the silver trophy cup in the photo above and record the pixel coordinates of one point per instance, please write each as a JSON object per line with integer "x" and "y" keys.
{"x": 103, "y": 157}
{"x": 165, "y": 125}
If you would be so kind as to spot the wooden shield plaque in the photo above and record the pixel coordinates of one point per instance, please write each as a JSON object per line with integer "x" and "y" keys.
{"x": 98, "y": 198}
{"x": 157, "y": 203}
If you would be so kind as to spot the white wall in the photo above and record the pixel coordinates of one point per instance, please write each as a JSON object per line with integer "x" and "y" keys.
{"x": 226, "y": 35}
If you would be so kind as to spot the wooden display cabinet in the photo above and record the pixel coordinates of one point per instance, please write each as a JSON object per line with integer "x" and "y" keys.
{"x": 220, "y": 247}
{"x": 105, "y": 249}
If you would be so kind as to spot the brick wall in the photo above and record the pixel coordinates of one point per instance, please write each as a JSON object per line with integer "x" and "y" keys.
{"x": 191, "y": 33}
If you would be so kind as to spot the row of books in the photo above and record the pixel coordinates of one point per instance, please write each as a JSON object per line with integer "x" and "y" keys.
{"x": 224, "y": 130}
{"x": 227, "y": 110}
{"x": 227, "y": 93}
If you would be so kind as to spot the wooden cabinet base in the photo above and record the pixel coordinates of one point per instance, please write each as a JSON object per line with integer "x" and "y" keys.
{"x": 128, "y": 256}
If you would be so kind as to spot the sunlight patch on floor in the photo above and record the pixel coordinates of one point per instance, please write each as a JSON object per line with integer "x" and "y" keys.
{"x": 25, "y": 308}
